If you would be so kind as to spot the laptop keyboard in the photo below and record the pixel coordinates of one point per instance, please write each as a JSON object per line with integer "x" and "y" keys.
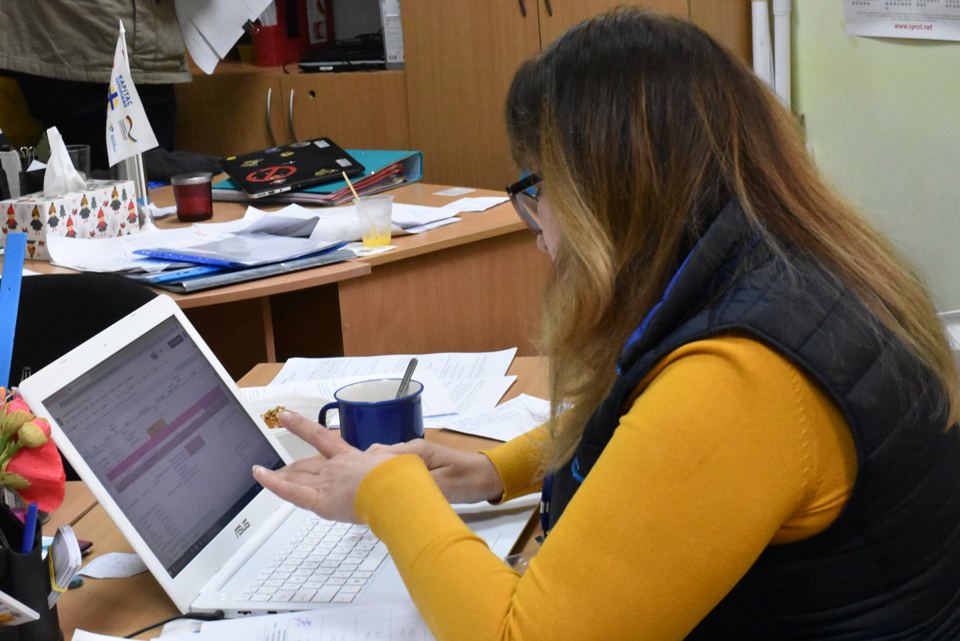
{"x": 325, "y": 562}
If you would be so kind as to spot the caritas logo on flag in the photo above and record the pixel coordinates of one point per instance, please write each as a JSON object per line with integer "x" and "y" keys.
{"x": 128, "y": 130}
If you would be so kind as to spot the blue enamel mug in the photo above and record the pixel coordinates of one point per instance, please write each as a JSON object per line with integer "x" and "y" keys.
{"x": 370, "y": 412}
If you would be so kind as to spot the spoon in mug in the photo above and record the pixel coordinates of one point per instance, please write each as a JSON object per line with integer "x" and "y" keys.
{"x": 407, "y": 375}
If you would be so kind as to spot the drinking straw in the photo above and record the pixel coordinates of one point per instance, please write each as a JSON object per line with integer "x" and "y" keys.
{"x": 356, "y": 200}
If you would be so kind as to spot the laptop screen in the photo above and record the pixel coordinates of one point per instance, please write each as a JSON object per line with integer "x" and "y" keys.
{"x": 167, "y": 439}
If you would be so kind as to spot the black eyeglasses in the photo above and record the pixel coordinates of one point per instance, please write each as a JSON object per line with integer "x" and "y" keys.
{"x": 525, "y": 196}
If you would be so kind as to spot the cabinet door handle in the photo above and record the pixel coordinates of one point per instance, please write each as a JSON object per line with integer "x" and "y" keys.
{"x": 293, "y": 133}
{"x": 549, "y": 6}
{"x": 523, "y": 8}
{"x": 273, "y": 138}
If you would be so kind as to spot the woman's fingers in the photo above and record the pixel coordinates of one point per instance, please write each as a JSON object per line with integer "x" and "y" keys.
{"x": 286, "y": 487}
{"x": 327, "y": 442}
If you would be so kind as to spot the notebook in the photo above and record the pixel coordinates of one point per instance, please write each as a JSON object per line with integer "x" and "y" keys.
{"x": 153, "y": 424}
{"x": 383, "y": 169}
{"x": 362, "y": 53}
{"x": 295, "y": 166}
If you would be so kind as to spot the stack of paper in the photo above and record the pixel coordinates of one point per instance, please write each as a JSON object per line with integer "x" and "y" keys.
{"x": 268, "y": 239}
{"x": 400, "y": 622}
{"x": 65, "y": 556}
{"x": 461, "y": 390}
{"x": 343, "y": 223}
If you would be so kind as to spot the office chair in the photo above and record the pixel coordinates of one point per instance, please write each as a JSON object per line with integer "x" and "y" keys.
{"x": 60, "y": 311}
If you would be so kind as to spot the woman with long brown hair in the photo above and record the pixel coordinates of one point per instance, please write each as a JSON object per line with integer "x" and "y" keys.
{"x": 753, "y": 401}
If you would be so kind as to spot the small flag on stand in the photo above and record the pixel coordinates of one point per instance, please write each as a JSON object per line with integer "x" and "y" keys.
{"x": 129, "y": 133}
{"x": 128, "y": 130}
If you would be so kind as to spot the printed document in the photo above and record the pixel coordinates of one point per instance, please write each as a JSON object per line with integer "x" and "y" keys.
{"x": 446, "y": 365}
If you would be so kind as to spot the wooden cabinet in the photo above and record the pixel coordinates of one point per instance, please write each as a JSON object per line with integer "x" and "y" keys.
{"x": 726, "y": 20}
{"x": 556, "y": 16}
{"x": 365, "y": 110}
{"x": 226, "y": 113}
{"x": 243, "y": 108}
{"x": 461, "y": 57}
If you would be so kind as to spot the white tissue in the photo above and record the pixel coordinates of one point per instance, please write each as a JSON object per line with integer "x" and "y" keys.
{"x": 61, "y": 176}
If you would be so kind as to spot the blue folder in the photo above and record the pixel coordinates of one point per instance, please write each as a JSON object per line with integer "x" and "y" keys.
{"x": 202, "y": 277}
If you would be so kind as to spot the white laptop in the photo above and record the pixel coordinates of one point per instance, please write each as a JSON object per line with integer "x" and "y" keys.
{"x": 154, "y": 425}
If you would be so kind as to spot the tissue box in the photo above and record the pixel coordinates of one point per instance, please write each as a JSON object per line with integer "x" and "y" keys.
{"x": 104, "y": 209}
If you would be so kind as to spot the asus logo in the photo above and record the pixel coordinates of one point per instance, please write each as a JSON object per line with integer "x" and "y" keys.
{"x": 243, "y": 527}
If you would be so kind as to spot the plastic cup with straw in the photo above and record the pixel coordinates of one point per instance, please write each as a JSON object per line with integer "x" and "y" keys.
{"x": 375, "y": 215}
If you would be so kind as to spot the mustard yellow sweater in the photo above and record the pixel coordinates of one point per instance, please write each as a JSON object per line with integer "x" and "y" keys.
{"x": 728, "y": 449}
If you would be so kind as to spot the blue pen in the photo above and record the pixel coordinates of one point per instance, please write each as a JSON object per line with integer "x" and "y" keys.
{"x": 29, "y": 529}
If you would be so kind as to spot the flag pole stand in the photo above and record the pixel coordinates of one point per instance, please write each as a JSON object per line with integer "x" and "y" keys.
{"x": 144, "y": 211}
{"x": 132, "y": 169}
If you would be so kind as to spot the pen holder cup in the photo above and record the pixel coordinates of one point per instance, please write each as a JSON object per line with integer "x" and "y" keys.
{"x": 26, "y": 578}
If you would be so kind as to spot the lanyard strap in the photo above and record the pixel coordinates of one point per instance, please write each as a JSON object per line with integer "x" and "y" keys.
{"x": 16, "y": 245}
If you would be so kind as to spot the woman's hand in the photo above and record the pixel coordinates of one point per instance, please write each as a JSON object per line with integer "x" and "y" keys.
{"x": 463, "y": 477}
{"x": 325, "y": 484}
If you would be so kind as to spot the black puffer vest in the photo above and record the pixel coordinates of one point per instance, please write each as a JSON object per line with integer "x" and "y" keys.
{"x": 889, "y": 566}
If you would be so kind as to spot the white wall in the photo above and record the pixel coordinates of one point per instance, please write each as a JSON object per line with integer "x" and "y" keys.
{"x": 883, "y": 119}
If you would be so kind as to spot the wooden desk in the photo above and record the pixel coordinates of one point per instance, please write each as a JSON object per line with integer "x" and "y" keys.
{"x": 471, "y": 286}
{"x": 120, "y": 606}
{"x": 76, "y": 503}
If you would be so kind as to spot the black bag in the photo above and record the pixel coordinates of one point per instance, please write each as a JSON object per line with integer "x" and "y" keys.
{"x": 26, "y": 577}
